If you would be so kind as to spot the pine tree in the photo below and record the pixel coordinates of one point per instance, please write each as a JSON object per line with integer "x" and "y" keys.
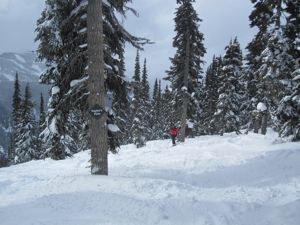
{"x": 185, "y": 71}
{"x": 210, "y": 95}
{"x": 41, "y": 127}
{"x": 146, "y": 103}
{"x": 271, "y": 61}
{"x": 42, "y": 120}
{"x": 121, "y": 107}
{"x": 288, "y": 111}
{"x": 275, "y": 72}
{"x": 62, "y": 37}
{"x": 292, "y": 29}
{"x": 227, "y": 116}
{"x": 16, "y": 118}
{"x": 58, "y": 35}
{"x": 260, "y": 17}
{"x": 156, "y": 112}
{"x": 138, "y": 129}
{"x": 153, "y": 119}
{"x": 167, "y": 111}
{"x": 145, "y": 83}
{"x": 26, "y": 147}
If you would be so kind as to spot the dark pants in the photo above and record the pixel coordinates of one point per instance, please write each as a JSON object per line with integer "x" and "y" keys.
{"x": 173, "y": 139}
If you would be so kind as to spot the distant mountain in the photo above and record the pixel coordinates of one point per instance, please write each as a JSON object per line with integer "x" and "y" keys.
{"x": 25, "y": 64}
{"x": 29, "y": 70}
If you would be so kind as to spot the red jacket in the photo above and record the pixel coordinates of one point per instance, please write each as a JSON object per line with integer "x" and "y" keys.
{"x": 174, "y": 131}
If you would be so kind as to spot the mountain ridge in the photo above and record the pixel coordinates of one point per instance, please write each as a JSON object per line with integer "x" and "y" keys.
{"x": 29, "y": 70}
{"x": 25, "y": 64}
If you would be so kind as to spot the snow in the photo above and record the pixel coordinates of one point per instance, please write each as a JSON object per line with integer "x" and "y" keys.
{"x": 286, "y": 98}
{"x": 52, "y": 127}
{"x": 83, "y": 30}
{"x": 209, "y": 180}
{"x": 83, "y": 45}
{"x": 38, "y": 69}
{"x": 20, "y": 58}
{"x": 261, "y": 107}
{"x": 105, "y": 2}
{"x": 55, "y": 90}
{"x": 84, "y": 16}
{"x": 82, "y": 5}
{"x": 10, "y": 77}
{"x": 76, "y": 82}
{"x": 113, "y": 128}
{"x": 296, "y": 78}
{"x": 190, "y": 124}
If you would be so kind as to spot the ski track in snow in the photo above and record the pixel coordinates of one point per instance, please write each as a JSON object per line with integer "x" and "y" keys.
{"x": 209, "y": 180}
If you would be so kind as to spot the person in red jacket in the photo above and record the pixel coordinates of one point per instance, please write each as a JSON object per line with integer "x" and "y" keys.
{"x": 173, "y": 133}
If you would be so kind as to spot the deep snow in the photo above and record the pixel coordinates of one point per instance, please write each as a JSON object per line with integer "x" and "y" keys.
{"x": 209, "y": 180}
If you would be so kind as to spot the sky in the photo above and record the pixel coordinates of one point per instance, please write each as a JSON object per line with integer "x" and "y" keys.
{"x": 222, "y": 20}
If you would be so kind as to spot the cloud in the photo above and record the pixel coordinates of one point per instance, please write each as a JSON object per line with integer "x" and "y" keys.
{"x": 17, "y": 24}
{"x": 4, "y": 6}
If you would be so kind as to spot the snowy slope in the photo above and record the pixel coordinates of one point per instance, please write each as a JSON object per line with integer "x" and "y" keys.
{"x": 29, "y": 71}
{"x": 25, "y": 64}
{"x": 210, "y": 180}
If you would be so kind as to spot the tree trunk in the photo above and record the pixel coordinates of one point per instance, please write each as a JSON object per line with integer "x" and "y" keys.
{"x": 97, "y": 127}
{"x": 264, "y": 123}
{"x": 256, "y": 121}
{"x": 185, "y": 97}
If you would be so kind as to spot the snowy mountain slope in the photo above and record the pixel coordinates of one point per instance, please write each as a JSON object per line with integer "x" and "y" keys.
{"x": 210, "y": 180}
{"x": 25, "y": 64}
{"x": 29, "y": 71}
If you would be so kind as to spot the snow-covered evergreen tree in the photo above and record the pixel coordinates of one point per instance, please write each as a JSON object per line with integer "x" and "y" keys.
{"x": 292, "y": 29}
{"x": 41, "y": 126}
{"x": 26, "y": 146}
{"x": 157, "y": 124}
{"x": 210, "y": 95}
{"x": 270, "y": 58}
{"x": 275, "y": 72}
{"x": 288, "y": 111}
{"x": 259, "y": 18}
{"x": 138, "y": 129}
{"x": 186, "y": 67}
{"x": 42, "y": 119}
{"x": 146, "y": 103}
{"x": 227, "y": 116}
{"x": 59, "y": 44}
{"x": 121, "y": 107}
{"x": 16, "y": 118}
{"x": 167, "y": 111}
{"x": 62, "y": 37}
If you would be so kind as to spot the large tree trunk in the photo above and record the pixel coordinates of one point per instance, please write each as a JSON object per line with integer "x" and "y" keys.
{"x": 98, "y": 128}
{"x": 185, "y": 97}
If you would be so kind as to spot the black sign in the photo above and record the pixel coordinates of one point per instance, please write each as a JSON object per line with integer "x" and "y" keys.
{"x": 97, "y": 112}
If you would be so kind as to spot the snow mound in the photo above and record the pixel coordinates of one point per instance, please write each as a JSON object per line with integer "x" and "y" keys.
{"x": 211, "y": 180}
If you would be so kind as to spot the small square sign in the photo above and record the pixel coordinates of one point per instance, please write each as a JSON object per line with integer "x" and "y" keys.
{"x": 96, "y": 111}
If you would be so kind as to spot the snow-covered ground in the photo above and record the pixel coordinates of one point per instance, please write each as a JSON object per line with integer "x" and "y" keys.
{"x": 210, "y": 180}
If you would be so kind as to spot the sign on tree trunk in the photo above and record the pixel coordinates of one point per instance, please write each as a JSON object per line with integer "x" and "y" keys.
{"x": 97, "y": 125}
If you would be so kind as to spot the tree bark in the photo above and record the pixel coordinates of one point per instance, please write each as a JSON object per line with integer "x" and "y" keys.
{"x": 97, "y": 127}
{"x": 185, "y": 83}
{"x": 264, "y": 123}
{"x": 256, "y": 121}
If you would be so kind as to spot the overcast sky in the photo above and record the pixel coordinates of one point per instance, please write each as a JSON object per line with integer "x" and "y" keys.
{"x": 222, "y": 20}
